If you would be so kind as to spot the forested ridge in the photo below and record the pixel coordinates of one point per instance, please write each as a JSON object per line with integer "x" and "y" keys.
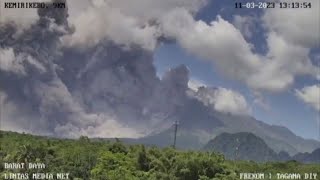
{"x": 87, "y": 159}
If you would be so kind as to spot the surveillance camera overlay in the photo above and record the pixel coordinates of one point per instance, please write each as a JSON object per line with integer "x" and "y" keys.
{"x": 159, "y": 89}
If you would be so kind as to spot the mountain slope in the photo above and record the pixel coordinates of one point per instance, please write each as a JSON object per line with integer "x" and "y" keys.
{"x": 199, "y": 124}
{"x": 277, "y": 137}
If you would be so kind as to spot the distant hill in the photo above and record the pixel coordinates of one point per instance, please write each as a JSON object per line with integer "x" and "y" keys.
{"x": 243, "y": 145}
{"x": 313, "y": 157}
{"x": 247, "y": 146}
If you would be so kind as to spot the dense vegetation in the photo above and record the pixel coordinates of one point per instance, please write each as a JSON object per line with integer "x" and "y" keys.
{"x": 87, "y": 159}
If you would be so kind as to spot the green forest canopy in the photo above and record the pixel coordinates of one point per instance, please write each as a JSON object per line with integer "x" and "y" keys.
{"x": 87, "y": 159}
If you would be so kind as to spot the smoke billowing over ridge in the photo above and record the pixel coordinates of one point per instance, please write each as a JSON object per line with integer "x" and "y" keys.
{"x": 88, "y": 69}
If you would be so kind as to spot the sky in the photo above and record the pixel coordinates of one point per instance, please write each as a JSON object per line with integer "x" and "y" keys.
{"x": 283, "y": 107}
{"x": 262, "y": 63}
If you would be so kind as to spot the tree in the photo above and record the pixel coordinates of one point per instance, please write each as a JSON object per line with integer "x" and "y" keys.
{"x": 143, "y": 160}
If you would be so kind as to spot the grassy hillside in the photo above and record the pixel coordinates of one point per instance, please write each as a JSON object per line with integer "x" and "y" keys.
{"x": 85, "y": 159}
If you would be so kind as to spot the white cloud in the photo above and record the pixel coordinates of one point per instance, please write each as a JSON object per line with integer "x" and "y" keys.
{"x": 283, "y": 62}
{"x": 110, "y": 23}
{"x": 245, "y": 24}
{"x": 224, "y": 45}
{"x": 227, "y": 100}
{"x": 219, "y": 42}
{"x": 224, "y": 100}
{"x": 291, "y": 34}
{"x": 310, "y": 95}
{"x": 123, "y": 21}
{"x": 300, "y": 26}
{"x": 154, "y": 9}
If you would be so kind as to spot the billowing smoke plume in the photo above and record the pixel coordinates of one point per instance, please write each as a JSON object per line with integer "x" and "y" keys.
{"x": 223, "y": 100}
{"x": 106, "y": 89}
{"x": 29, "y": 79}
